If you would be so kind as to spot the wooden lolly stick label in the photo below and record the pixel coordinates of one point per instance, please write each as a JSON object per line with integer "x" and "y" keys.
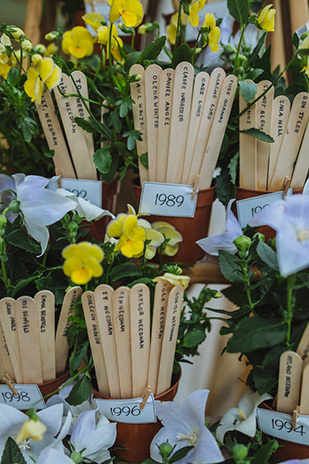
{"x": 166, "y": 86}
{"x": 279, "y": 120}
{"x": 9, "y": 326}
{"x": 289, "y": 381}
{"x": 152, "y": 75}
{"x": 218, "y": 130}
{"x": 181, "y": 110}
{"x": 54, "y": 136}
{"x": 95, "y": 341}
{"x": 263, "y": 122}
{"x": 29, "y": 343}
{"x": 67, "y": 309}
{"x": 169, "y": 339}
{"x": 304, "y": 397}
{"x": 139, "y": 116}
{"x": 121, "y": 321}
{"x": 45, "y": 306}
{"x": 292, "y": 139}
{"x": 198, "y": 100}
{"x": 303, "y": 347}
{"x": 140, "y": 337}
{"x": 75, "y": 134}
{"x": 158, "y": 322}
{"x": 302, "y": 164}
{"x": 5, "y": 355}
{"x": 247, "y": 145}
{"x": 212, "y": 97}
{"x": 103, "y": 296}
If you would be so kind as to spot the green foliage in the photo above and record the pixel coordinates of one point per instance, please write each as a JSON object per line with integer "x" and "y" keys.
{"x": 259, "y": 135}
{"x": 248, "y": 90}
{"x": 80, "y": 392}
{"x": 102, "y": 159}
{"x": 239, "y": 9}
{"x": 11, "y": 453}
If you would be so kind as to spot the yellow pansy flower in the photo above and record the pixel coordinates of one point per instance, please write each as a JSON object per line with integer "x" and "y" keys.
{"x": 213, "y": 33}
{"x": 195, "y": 7}
{"x": 94, "y": 20}
{"x": 209, "y": 21}
{"x": 34, "y": 86}
{"x": 175, "y": 280}
{"x": 156, "y": 239}
{"x": 31, "y": 428}
{"x": 171, "y": 29}
{"x": 266, "y": 18}
{"x": 47, "y": 73}
{"x": 78, "y": 42}
{"x": 82, "y": 262}
{"x": 131, "y": 236}
{"x": 103, "y": 38}
{"x": 51, "y": 49}
{"x": 131, "y": 12}
{"x": 170, "y": 234}
{"x": 36, "y": 58}
{"x": 305, "y": 59}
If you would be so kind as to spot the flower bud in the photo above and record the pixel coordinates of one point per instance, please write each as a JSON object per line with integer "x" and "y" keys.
{"x": 17, "y": 33}
{"x": 165, "y": 449}
{"x": 3, "y": 222}
{"x": 242, "y": 243}
{"x": 26, "y": 45}
{"x": 14, "y": 206}
{"x": 77, "y": 457}
{"x": 40, "y": 48}
{"x": 239, "y": 452}
{"x": 51, "y": 36}
{"x": 229, "y": 49}
{"x": 36, "y": 58}
{"x": 259, "y": 237}
{"x": 217, "y": 295}
{"x": 126, "y": 29}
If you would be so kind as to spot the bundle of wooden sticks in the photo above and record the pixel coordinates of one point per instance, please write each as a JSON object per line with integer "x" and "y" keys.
{"x": 127, "y": 357}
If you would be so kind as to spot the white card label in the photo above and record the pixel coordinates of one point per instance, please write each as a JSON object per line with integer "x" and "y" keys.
{"x": 28, "y": 396}
{"x": 279, "y": 425}
{"x": 167, "y": 199}
{"x": 90, "y": 190}
{"x": 128, "y": 411}
{"x": 250, "y": 207}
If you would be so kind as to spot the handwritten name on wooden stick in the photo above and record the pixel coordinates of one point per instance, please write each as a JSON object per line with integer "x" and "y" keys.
{"x": 103, "y": 297}
{"x": 121, "y": 321}
{"x": 45, "y": 307}
{"x": 263, "y": 122}
{"x": 247, "y": 145}
{"x": 289, "y": 381}
{"x": 67, "y": 310}
{"x": 302, "y": 164}
{"x": 8, "y": 321}
{"x": 95, "y": 341}
{"x": 139, "y": 116}
{"x": 5, "y": 355}
{"x": 28, "y": 336}
{"x": 303, "y": 347}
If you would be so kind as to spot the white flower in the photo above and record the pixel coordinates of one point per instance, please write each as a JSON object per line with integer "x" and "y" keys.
{"x": 243, "y": 418}
{"x": 53, "y": 456}
{"x": 83, "y": 207}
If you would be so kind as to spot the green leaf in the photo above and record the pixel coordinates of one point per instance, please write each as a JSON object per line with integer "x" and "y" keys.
{"x": 256, "y": 332}
{"x": 23, "y": 283}
{"x": 49, "y": 154}
{"x": 259, "y": 135}
{"x": 295, "y": 40}
{"x": 182, "y": 53}
{"x": 255, "y": 6}
{"x": 260, "y": 46}
{"x": 109, "y": 177}
{"x": 80, "y": 392}
{"x": 102, "y": 160}
{"x": 239, "y": 9}
{"x": 233, "y": 167}
{"x": 265, "y": 452}
{"x": 132, "y": 59}
{"x": 13, "y": 76}
{"x": 85, "y": 125}
{"x": 194, "y": 338}
{"x": 126, "y": 270}
{"x": 248, "y": 90}
{"x": 180, "y": 454}
{"x": 144, "y": 160}
{"x": 265, "y": 379}
{"x": 11, "y": 453}
{"x": 268, "y": 255}
{"x": 17, "y": 237}
{"x": 152, "y": 51}
{"x": 229, "y": 267}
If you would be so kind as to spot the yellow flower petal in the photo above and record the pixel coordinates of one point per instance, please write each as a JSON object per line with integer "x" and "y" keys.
{"x": 38, "y": 90}
{"x": 74, "y": 251}
{"x": 172, "y": 234}
{"x": 176, "y": 280}
{"x": 266, "y": 18}
{"x": 150, "y": 252}
{"x": 209, "y": 21}
{"x": 93, "y": 266}
{"x": 77, "y": 42}
{"x": 46, "y": 68}
{"x": 31, "y": 428}
{"x": 102, "y": 34}
{"x": 155, "y": 236}
{"x": 213, "y": 39}
{"x": 95, "y": 20}
{"x": 93, "y": 249}
{"x": 54, "y": 79}
{"x": 159, "y": 224}
{"x": 81, "y": 276}
{"x": 132, "y": 248}
{"x": 115, "y": 227}
{"x": 131, "y": 12}
{"x": 138, "y": 234}
{"x": 130, "y": 223}
{"x": 170, "y": 250}
{"x": 70, "y": 265}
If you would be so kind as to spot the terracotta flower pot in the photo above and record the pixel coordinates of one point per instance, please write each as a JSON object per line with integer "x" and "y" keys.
{"x": 48, "y": 387}
{"x": 191, "y": 229}
{"x": 136, "y": 438}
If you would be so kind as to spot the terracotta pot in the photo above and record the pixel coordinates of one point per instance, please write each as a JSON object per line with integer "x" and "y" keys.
{"x": 191, "y": 229}
{"x": 49, "y": 387}
{"x": 136, "y": 438}
{"x": 287, "y": 449}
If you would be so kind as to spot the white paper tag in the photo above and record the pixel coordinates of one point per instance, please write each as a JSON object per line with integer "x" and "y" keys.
{"x": 279, "y": 425}
{"x": 128, "y": 411}
{"x": 28, "y": 396}
{"x": 250, "y": 207}
{"x": 90, "y": 190}
{"x": 167, "y": 199}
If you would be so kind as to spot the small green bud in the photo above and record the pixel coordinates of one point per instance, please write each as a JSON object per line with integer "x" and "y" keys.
{"x": 239, "y": 452}
{"x": 52, "y": 35}
{"x": 14, "y": 206}
{"x": 229, "y": 49}
{"x": 26, "y": 45}
{"x": 76, "y": 457}
{"x": 242, "y": 243}
{"x": 72, "y": 226}
{"x": 126, "y": 29}
{"x": 165, "y": 449}
{"x": 3, "y": 222}
{"x": 259, "y": 237}
{"x": 217, "y": 295}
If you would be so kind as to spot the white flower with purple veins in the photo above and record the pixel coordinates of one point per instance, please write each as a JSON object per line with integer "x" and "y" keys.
{"x": 52, "y": 456}
{"x": 184, "y": 425}
{"x": 84, "y": 208}
{"x": 212, "y": 245}
{"x": 290, "y": 219}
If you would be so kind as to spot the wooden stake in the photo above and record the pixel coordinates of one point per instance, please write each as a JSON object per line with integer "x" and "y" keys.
{"x": 263, "y": 122}
{"x": 5, "y": 355}
{"x": 181, "y": 110}
{"x": 169, "y": 339}
{"x": 139, "y": 115}
{"x": 289, "y": 381}
{"x": 302, "y": 164}
{"x": 11, "y": 340}
{"x": 121, "y": 321}
{"x": 67, "y": 310}
{"x": 303, "y": 347}
{"x": 95, "y": 341}
{"x": 103, "y": 297}
{"x": 304, "y": 397}
{"x": 29, "y": 343}
{"x": 45, "y": 307}
{"x": 247, "y": 146}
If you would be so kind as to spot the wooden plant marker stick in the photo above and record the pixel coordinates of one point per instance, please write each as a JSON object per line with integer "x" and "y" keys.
{"x": 279, "y": 120}
{"x": 29, "y": 343}
{"x": 139, "y": 116}
{"x": 157, "y": 330}
{"x": 263, "y": 122}
{"x": 75, "y": 134}
{"x": 181, "y": 110}
{"x": 45, "y": 307}
{"x": 169, "y": 339}
{"x": 198, "y": 100}
{"x": 218, "y": 130}
{"x": 54, "y": 136}
{"x": 166, "y": 87}
{"x": 292, "y": 139}
{"x": 81, "y": 82}
{"x": 9, "y": 326}
{"x": 289, "y": 381}
{"x": 247, "y": 146}
{"x": 303, "y": 346}
{"x": 5, "y": 355}
{"x": 121, "y": 321}
{"x": 95, "y": 341}
{"x": 103, "y": 297}
{"x": 152, "y": 75}
{"x": 212, "y": 97}
{"x": 304, "y": 396}
{"x": 140, "y": 337}
{"x": 302, "y": 164}
{"x": 67, "y": 309}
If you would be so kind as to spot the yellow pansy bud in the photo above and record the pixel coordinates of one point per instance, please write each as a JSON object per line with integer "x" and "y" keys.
{"x": 36, "y": 58}
{"x": 26, "y": 45}
{"x": 51, "y": 35}
{"x": 266, "y": 19}
{"x": 17, "y": 33}
{"x": 40, "y": 48}
{"x": 31, "y": 428}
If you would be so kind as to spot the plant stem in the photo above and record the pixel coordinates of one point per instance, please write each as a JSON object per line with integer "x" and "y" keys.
{"x": 239, "y": 45}
{"x": 178, "y": 30}
{"x": 247, "y": 284}
{"x": 195, "y": 47}
{"x": 289, "y": 305}
{"x": 3, "y": 266}
{"x": 110, "y": 50}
